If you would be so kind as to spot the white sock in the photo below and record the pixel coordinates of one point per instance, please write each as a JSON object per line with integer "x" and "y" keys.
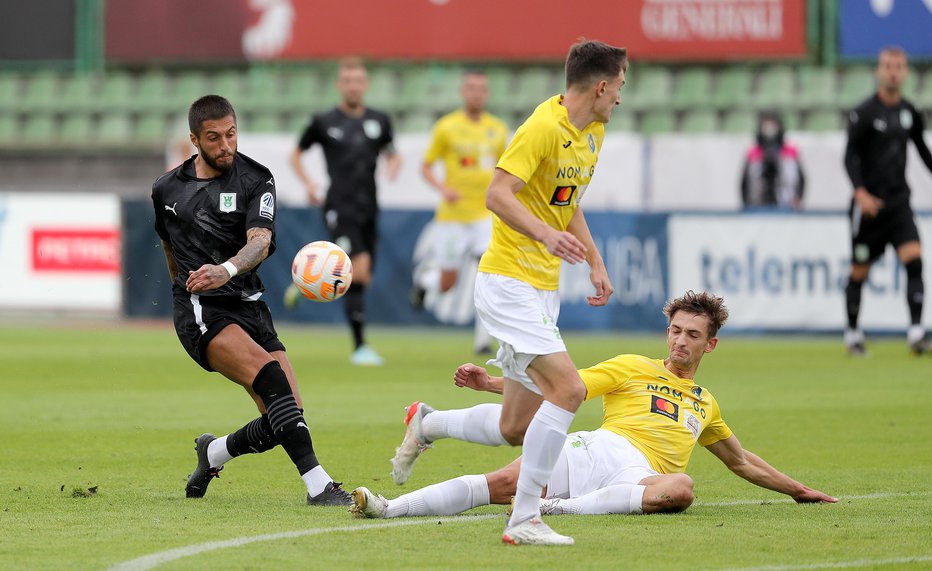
{"x": 915, "y": 333}
{"x": 217, "y": 453}
{"x": 617, "y": 499}
{"x": 446, "y": 498}
{"x": 853, "y": 336}
{"x": 316, "y": 479}
{"x": 478, "y": 424}
{"x": 542, "y": 445}
{"x": 430, "y": 280}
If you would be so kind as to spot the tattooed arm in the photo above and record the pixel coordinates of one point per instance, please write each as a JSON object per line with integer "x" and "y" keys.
{"x": 210, "y": 276}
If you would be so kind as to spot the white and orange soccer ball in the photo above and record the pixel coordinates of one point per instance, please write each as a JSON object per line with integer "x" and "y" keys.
{"x": 322, "y": 271}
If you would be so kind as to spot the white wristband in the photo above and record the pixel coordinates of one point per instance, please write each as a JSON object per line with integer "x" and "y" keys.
{"x": 230, "y": 268}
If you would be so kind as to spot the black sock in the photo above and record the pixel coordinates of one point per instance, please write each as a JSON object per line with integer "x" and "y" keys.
{"x": 254, "y": 438}
{"x": 286, "y": 420}
{"x": 915, "y": 290}
{"x": 355, "y": 308}
{"x": 853, "y": 301}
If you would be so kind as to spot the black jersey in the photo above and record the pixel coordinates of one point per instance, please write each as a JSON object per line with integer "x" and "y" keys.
{"x": 876, "y": 153}
{"x": 205, "y": 220}
{"x": 351, "y": 147}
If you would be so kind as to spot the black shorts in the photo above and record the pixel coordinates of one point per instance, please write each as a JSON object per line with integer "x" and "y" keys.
{"x": 870, "y": 236}
{"x": 353, "y": 235}
{"x": 198, "y": 319}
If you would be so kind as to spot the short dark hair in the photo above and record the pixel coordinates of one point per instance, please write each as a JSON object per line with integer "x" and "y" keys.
{"x": 591, "y": 60}
{"x": 208, "y": 108}
{"x": 703, "y": 303}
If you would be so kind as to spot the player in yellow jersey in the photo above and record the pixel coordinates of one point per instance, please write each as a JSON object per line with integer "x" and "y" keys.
{"x": 654, "y": 415}
{"x": 534, "y": 195}
{"x": 469, "y": 142}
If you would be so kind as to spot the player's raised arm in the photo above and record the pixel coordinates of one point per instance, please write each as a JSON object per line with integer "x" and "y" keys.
{"x": 754, "y": 469}
{"x": 598, "y": 275}
{"x": 500, "y": 199}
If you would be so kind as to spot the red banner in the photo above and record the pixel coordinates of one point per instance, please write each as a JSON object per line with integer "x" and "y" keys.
{"x": 58, "y": 250}
{"x": 694, "y": 30}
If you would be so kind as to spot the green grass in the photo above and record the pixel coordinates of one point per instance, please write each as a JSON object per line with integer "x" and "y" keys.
{"x": 117, "y": 407}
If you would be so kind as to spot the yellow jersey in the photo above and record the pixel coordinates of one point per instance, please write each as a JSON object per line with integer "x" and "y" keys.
{"x": 556, "y": 162}
{"x": 469, "y": 150}
{"x": 661, "y": 414}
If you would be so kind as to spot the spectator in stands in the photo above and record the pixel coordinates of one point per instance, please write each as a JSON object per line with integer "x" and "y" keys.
{"x": 773, "y": 175}
{"x": 353, "y": 137}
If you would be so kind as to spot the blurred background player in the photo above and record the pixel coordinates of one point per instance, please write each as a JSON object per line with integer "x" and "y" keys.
{"x": 654, "y": 415}
{"x": 353, "y": 137}
{"x": 772, "y": 176}
{"x": 469, "y": 142}
{"x": 881, "y": 213}
{"x": 215, "y": 215}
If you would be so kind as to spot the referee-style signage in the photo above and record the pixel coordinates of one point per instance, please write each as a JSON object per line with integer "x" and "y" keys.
{"x": 60, "y": 251}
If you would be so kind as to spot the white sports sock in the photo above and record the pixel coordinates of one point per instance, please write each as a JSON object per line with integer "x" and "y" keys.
{"x": 217, "y": 453}
{"x": 915, "y": 333}
{"x": 542, "y": 445}
{"x": 316, "y": 479}
{"x": 446, "y": 498}
{"x": 617, "y": 499}
{"x": 478, "y": 424}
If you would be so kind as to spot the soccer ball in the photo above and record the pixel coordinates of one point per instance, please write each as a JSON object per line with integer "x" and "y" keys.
{"x": 322, "y": 271}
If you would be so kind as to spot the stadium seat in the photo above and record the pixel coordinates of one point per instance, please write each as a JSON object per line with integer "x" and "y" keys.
{"x": 533, "y": 86}
{"x": 152, "y": 129}
{"x": 500, "y": 91}
{"x": 263, "y": 122}
{"x": 9, "y": 92}
{"x": 699, "y": 122}
{"x": 733, "y": 89}
{"x": 923, "y": 96}
{"x": 740, "y": 121}
{"x": 116, "y": 93}
{"x": 42, "y": 92}
{"x": 655, "y": 122}
{"x": 152, "y": 92}
{"x": 76, "y": 129}
{"x": 383, "y": 89}
{"x": 9, "y": 130}
{"x": 442, "y": 90}
{"x": 817, "y": 88}
{"x": 623, "y": 121}
{"x": 648, "y": 88}
{"x": 416, "y": 122}
{"x": 830, "y": 120}
{"x": 78, "y": 93}
{"x": 187, "y": 89}
{"x": 298, "y": 91}
{"x": 228, "y": 84}
{"x": 693, "y": 88}
{"x": 413, "y": 90}
{"x": 39, "y": 130}
{"x": 776, "y": 88}
{"x": 857, "y": 84}
{"x": 261, "y": 92}
{"x": 114, "y": 129}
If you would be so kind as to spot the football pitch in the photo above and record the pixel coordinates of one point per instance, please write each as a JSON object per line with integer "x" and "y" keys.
{"x": 98, "y": 423}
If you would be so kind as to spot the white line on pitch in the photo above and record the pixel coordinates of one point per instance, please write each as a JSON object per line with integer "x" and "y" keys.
{"x": 156, "y": 559}
{"x": 840, "y": 564}
{"x": 879, "y": 495}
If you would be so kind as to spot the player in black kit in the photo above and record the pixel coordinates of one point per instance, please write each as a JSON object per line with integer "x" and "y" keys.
{"x": 875, "y": 159}
{"x": 215, "y": 214}
{"x": 352, "y": 137}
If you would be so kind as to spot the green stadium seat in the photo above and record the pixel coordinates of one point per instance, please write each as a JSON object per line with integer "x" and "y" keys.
{"x": 152, "y": 129}
{"x": 9, "y": 92}
{"x": 817, "y": 88}
{"x": 693, "y": 88}
{"x": 623, "y": 121}
{"x": 856, "y": 85}
{"x": 9, "y": 130}
{"x": 647, "y": 88}
{"x": 114, "y": 129}
{"x": 152, "y": 93}
{"x": 383, "y": 89}
{"x": 416, "y": 122}
{"x": 187, "y": 89}
{"x": 923, "y": 97}
{"x": 733, "y": 89}
{"x": 262, "y": 91}
{"x": 740, "y": 121}
{"x": 533, "y": 86}
{"x": 500, "y": 90}
{"x": 228, "y": 84}
{"x": 42, "y": 92}
{"x": 830, "y": 120}
{"x": 79, "y": 93}
{"x": 116, "y": 94}
{"x": 776, "y": 88}
{"x": 263, "y": 122}
{"x": 299, "y": 90}
{"x": 699, "y": 122}
{"x": 76, "y": 129}
{"x": 443, "y": 90}
{"x": 655, "y": 122}
{"x": 414, "y": 91}
{"x": 39, "y": 129}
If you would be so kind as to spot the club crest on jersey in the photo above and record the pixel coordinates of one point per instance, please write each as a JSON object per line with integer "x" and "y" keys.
{"x": 906, "y": 119}
{"x": 562, "y": 196}
{"x": 663, "y": 407}
{"x": 372, "y": 128}
{"x": 693, "y": 424}
{"x": 267, "y": 206}
{"x": 591, "y": 140}
{"x": 696, "y": 391}
{"x": 227, "y": 201}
